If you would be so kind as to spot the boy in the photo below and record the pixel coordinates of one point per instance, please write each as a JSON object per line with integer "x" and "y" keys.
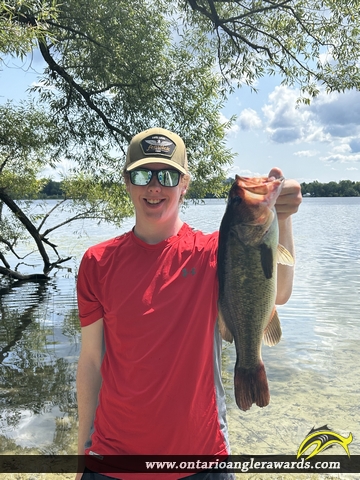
{"x": 151, "y": 294}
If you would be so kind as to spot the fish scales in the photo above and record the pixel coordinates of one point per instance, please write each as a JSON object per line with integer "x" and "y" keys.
{"x": 247, "y": 265}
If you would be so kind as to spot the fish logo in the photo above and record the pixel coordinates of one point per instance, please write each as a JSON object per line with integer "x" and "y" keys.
{"x": 323, "y": 438}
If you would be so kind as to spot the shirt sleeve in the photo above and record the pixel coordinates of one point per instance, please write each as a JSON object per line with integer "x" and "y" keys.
{"x": 90, "y": 308}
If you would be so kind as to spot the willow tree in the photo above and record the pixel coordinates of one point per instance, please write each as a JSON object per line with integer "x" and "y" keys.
{"x": 309, "y": 43}
{"x": 28, "y": 143}
{"x": 116, "y": 67}
{"x": 113, "y": 68}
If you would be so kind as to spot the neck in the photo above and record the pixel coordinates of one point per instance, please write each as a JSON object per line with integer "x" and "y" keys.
{"x": 155, "y": 233}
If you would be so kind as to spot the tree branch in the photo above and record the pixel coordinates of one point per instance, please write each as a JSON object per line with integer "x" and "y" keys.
{"x": 77, "y": 33}
{"x": 55, "y": 67}
{"x": 7, "y": 158}
{"x": 79, "y": 216}
{"x": 254, "y": 11}
{"x": 8, "y": 272}
{"x": 233, "y": 33}
{"x": 20, "y": 215}
{"x": 4, "y": 261}
{"x": 11, "y": 247}
{"x": 47, "y": 215}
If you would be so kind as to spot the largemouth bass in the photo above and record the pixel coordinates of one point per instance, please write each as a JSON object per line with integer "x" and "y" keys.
{"x": 248, "y": 254}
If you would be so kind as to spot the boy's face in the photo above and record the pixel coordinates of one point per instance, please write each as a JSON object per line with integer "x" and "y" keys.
{"x": 154, "y": 202}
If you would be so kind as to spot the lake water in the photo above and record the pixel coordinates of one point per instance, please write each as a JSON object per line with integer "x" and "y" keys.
{"x": 313, "y": 372}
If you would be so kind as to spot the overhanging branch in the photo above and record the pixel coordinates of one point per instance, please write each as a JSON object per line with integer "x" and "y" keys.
{"x": 30, "y": 227}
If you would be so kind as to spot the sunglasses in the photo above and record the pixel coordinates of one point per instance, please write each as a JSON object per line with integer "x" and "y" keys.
{"x": 166, "y": 177}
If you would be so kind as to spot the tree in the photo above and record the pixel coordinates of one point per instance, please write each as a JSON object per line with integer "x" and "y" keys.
{"x": 24, "y": 143}
{"x": 51, "y": 189}
{"x": 114, "y": 68}
{"x": 344, "y": 188}
{"x": 307, "y": 42}
{"x": 28, "y": 142}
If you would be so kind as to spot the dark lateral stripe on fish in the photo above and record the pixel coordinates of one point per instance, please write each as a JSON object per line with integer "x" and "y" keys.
{"x": 267, "y": 262}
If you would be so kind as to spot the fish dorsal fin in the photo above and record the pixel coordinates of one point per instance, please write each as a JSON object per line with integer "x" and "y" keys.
{"x": 224, "y": 331}
{"x": 284, "y": 256}
{"x": 272, "y": 332}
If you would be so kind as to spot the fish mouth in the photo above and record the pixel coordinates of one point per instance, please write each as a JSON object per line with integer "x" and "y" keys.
{"x": 259, "y": 185}
{"x": 258, "y": 190}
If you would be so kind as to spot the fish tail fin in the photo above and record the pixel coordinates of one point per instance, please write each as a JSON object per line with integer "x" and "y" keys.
{"x": 251, "y": 386}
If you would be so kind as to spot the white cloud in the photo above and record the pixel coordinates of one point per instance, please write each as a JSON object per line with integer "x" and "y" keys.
{"x": 306, "y": 153}
{"x": 329, "y": 117}
{"x": 286, "y": 122}
{"x": 326, "y": 57}
{"x": 338, "y": 112}
{"x": 249, "y": 120}
{"x": 341, "y": 148}
{"x": 235, "y": 170}
{"x": 339, "y": 158}
{"x": 62, "y": 170}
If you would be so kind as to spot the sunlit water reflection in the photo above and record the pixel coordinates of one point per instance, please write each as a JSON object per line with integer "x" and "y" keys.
{"x": 313, "y": 371}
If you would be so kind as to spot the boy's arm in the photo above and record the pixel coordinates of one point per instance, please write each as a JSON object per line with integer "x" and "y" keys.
{"x": 88, "y": 380}
{"x": 287, "y": 204}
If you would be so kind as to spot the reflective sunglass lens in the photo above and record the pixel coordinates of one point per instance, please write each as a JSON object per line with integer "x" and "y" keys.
{"x": 166, "y": 178}
{"x": 140, "y": 177}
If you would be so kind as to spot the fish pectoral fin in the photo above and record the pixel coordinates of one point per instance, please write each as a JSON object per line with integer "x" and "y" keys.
{"x": 272, "y": 332}
{"x": 284, "y": 256}
{"x": 224, "y": 331}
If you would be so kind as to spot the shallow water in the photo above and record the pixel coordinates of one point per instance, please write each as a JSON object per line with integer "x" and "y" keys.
{"x": 313, "y": 371}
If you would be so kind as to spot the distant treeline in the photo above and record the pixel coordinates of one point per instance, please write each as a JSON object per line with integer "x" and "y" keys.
{"x": 51, "y": 189}
{"x": 343, "y": 188}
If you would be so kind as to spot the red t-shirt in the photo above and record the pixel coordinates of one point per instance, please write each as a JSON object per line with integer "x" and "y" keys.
{"x": 159, "y": 307}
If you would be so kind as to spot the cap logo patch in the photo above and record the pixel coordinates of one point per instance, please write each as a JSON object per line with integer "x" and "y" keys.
{"x": 158, "y": 145}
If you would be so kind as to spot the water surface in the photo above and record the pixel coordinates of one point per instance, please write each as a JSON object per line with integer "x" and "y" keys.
{"x": 313, "y": 372}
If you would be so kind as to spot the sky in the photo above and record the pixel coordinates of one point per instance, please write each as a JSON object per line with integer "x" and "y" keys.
{"x": 317, "y": 142}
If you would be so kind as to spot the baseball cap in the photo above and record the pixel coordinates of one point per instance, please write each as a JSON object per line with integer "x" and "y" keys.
{"x": 157, "y": 145}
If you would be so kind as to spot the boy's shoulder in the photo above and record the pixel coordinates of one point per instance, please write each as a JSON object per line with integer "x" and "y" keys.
{"x": 107, "y": 246}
